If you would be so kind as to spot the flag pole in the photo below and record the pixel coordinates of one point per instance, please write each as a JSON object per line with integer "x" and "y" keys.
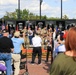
{"x": 26, "y": 66}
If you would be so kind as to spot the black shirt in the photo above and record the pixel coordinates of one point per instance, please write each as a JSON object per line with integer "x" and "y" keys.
{"x": 5, "y": 45}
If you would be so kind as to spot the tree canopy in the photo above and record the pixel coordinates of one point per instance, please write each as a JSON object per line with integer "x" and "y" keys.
{"x": 26, "y": 15}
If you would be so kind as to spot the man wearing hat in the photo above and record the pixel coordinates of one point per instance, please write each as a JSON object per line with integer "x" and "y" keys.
{"x": 18, "y": 42}
{"x": 6, "y": 47}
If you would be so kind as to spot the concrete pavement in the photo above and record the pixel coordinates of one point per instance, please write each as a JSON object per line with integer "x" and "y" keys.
{"x": 36, "y": 69}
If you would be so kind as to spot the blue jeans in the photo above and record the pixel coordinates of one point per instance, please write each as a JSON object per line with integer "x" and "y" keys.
{"x": 30, "y": 39}
{"x": 6, "y": 57}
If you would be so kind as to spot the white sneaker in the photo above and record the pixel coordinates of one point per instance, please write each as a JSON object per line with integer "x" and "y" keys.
{"x": 0, "y": 72}
{"x": 32, "y": 63}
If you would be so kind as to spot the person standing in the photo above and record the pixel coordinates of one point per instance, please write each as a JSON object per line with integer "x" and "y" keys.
{"x": 6, "y": 47}
{"x": 49, "y": 47}
{"x": 61, "y": 47}
{"x": 36, "y": 40}
{"x": 65, "y": 63}
{"x": 18, "y": 42}
{"x": 30, "y": 35}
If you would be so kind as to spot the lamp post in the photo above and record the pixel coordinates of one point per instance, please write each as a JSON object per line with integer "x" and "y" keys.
{"x": 40, "y": 7}
{"x": 18, "y": 9}
{"x": 61, "y": 9}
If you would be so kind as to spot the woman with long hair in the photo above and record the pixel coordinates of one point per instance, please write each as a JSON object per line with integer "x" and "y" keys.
{"x": 65, "y": 63}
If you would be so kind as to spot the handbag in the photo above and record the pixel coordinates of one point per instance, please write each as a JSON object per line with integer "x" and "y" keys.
{"x": 2, "y": 67}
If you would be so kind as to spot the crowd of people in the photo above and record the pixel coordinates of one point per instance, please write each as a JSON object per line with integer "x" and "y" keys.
{"x": 58, "y": 43}
{"x": 64, "y": 63}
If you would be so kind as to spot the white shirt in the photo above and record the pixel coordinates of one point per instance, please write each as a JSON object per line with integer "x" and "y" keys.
{"x": 31, "y": 33}
{"x": 61, "y": 48}
{"x": 36, "y": 41}
{"x": 54, "y": 34}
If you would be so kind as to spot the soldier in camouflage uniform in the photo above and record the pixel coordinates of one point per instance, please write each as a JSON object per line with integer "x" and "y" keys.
{"x": 39, "y": 31}
{"x": 44, "y": 35}
{"x": 24, "y": 30}
{"x": 49, "y": 46}
{"x": 25, "y": 35}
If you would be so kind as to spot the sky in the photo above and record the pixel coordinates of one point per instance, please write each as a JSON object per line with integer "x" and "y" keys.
{"x": 50, "y": 8}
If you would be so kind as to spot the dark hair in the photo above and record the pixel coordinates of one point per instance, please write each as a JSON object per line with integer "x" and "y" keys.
{"x": 36, "y": 33}
{"x": 61, "y": 37}
{"x": 4, "y": 31}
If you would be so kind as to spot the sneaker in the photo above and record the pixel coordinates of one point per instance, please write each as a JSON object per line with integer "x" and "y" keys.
{"x": 0, "y": 72}
{"x": 39, "y": 63}
{"x": 32, "y": 63}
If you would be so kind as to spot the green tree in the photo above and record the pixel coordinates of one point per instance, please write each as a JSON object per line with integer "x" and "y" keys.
{"x": 26, "y": 15}
{"x": 65, "y": 17}
{"x": 44, "y": 17}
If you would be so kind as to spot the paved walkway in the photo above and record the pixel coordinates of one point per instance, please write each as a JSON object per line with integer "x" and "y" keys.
{"x": 36, "y": 69}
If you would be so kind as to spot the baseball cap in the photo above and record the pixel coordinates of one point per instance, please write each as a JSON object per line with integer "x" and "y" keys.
{"x": 17, "y": 34}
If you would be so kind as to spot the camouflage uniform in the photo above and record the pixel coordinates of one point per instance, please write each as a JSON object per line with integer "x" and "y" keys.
{"x": 26, "y": 39}
{"x": 44, "y": 35}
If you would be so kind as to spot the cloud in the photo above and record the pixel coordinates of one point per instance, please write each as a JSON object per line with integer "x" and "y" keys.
{"x": 49, "y": 10}
{"x": 62, "y": 0}
{"x": 7, "y": 2}
{"x": 32, "y": 5}
{"x": 65, "y": 0}
{"x": 70, "y": 13}
{"x": 7, "y": 6}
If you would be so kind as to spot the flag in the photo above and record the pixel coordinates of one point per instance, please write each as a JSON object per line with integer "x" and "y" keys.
{"x": 17, "y": 28}
{"x": 3, "y": 26}
{"x": 7, "y": 26}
